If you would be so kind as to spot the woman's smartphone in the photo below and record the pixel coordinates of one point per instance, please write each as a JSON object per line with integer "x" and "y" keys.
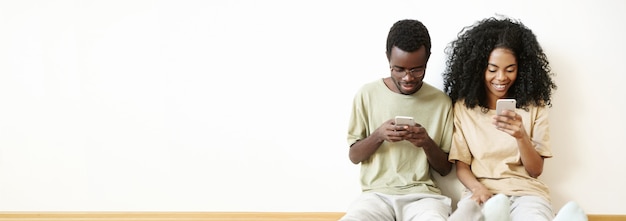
{"x": 504, "y": 104}
{"x": 403, "y": 120}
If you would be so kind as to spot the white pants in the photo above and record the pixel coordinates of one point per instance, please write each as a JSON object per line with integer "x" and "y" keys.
{"x": 515, "y": 208}
{"x": 410, "y": 207}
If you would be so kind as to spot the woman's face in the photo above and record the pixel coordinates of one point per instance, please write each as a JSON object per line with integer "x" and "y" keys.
{"x": 500, "y": 74}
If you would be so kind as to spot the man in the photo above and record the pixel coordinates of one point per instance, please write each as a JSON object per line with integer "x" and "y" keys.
{"x": 396, "y": 159}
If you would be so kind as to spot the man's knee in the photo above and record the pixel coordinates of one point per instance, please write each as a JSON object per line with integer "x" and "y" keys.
{"x": 369, "y": 206}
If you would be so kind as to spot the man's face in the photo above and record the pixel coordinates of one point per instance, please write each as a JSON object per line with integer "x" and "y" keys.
{"x": 408, "y": 69}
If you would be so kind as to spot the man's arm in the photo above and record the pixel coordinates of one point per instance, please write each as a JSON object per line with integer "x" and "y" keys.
{"x": 363, "y": 149}
{"x": 436, "y": 157}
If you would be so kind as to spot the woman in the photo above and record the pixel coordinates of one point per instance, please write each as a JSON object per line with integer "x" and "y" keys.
{"x": 499, "y": 156}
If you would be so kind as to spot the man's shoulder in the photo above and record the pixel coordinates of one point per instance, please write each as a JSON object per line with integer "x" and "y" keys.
{"x": 432, "y": 91}
{"x": 372, "y": 84}
{"x": 371, "y": 87}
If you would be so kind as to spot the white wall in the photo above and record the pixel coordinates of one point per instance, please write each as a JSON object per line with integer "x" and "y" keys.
{"x": 243, "y": 105}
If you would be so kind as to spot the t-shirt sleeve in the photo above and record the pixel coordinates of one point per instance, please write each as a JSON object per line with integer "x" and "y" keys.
{"x": 448, "y": 128}
{"x": 540, "y": 134}
{"x": 459, "y": 150}
{"x": 357, "y": 126}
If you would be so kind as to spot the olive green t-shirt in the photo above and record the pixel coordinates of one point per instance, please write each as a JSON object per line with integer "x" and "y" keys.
{"x": 400, "y": 167}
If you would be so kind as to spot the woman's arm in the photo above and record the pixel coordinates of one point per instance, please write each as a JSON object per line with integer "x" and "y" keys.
{"x": 511, "y": 123}
{"x": 480, "y": 193}
{"x": 532, "y": 161}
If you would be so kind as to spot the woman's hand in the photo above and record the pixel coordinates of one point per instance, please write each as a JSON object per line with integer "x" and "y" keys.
{"x": 510, "y": 123}
{"x": 481, "y": 195}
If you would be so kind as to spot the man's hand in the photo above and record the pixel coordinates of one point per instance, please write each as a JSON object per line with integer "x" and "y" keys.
{"x": 417, "y": 135}
{"x": 391, "y": 132}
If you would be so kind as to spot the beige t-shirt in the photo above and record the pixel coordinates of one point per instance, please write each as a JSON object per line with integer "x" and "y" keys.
{"x": 494, "y": 155}
{"x": 399, "y": 167}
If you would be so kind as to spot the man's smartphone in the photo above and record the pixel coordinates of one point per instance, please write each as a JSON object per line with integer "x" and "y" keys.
{"x": 403, "y": 120}
{"x": 505, "y": 104}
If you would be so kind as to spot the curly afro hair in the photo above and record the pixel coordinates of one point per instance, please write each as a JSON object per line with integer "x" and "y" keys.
{"x": 468, "y": 55}
{"x": 408, "y": 35}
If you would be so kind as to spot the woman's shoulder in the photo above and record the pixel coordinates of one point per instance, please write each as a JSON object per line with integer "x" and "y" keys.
{"x": 460, "y": 108}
